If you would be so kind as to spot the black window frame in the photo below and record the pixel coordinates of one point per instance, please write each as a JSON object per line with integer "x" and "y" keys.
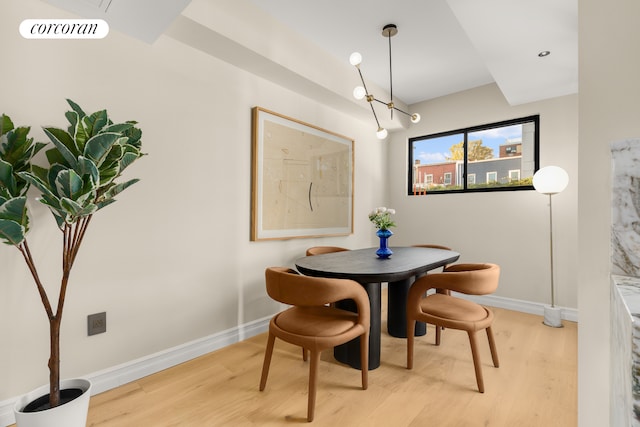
{"x": 466, "y": 131}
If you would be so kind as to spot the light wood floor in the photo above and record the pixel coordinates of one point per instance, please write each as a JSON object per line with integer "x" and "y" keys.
{"x": 536, "y": 385}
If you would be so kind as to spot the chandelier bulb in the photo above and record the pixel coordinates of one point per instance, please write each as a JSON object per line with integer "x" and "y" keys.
{"x": 415, "y": 118}
{"x": 382, "y": 133}
{"x": 355, "y": 59}
{"x": 359, "y": 92}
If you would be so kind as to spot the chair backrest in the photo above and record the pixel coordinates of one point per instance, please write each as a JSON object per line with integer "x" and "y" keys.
{"x": 471, "y": 279}
{"x": 318, "y": 250}
{"x": 432, "y": 246}
{"x": 287, "y": 286}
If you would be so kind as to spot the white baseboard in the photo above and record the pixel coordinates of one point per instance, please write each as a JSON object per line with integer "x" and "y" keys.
{"x": 116, "y": 376}
{"x": 570, "y": 314}
{"x": 130, "y": 371}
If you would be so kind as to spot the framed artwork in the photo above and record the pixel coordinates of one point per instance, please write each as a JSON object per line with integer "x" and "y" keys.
{"x": 302, "y": 179}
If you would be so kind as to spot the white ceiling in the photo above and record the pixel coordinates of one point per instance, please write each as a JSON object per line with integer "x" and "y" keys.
{"x": 446, "y": 46}
{"x": 442, "y": 46}
{"x": 143, "y": 19}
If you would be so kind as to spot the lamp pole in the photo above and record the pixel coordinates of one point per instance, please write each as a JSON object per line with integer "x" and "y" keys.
{"x": 551, "y": 180}
{"x": 551, "y": 250}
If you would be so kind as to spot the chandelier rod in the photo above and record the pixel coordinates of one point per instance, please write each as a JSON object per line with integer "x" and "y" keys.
{"x": 389, "y": 35}
{"x": 375, "y": 116}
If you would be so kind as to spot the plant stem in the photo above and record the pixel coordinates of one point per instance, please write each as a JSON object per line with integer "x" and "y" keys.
{"x": 72, "y": 236}
{"x": 26, "y": 253}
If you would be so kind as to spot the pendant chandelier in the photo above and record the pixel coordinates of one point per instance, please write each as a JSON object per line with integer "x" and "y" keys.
{"x": 361, "y": 92}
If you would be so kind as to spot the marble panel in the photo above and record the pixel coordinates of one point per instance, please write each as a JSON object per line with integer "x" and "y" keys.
{"x": 625, "y": 208}
{"x": 625, "y": 352}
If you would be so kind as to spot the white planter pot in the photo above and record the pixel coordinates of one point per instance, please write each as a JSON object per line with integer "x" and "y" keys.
{"x": 71, "y": 414}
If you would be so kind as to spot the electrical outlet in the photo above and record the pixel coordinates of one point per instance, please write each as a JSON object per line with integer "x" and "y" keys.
{"x": 97, "y": 323}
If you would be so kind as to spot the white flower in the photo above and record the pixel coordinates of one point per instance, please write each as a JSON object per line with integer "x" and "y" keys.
{"x": 381, "y": 217}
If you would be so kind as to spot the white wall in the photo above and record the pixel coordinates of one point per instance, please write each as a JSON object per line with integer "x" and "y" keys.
{"x": 171, "y": 261}
{"x": 508, "y": 228}
{"x": 609, "y": 111}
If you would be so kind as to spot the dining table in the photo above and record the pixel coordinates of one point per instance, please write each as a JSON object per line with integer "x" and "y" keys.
{"x": 363, "y": 266}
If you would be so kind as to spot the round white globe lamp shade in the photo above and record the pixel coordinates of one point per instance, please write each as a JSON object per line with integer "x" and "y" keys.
{"x": 382, "y": 133}
{"x": 355, "y": 58}
{"x": 550, "y": 180}
{"x": 359, "y": 92}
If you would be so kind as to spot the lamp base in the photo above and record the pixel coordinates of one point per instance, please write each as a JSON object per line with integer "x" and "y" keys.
{"x": 553, "y": 317}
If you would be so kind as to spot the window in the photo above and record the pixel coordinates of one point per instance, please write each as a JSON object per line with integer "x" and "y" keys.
{"x": 493, "y": 157}
{"x": 447, "y": 178}
{"x": 471, "y": 178}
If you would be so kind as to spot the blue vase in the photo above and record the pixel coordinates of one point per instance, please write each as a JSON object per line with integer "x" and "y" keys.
{"x": 383, "y": 251}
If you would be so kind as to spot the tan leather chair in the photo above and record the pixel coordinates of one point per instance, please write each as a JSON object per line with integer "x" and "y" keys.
{"x": 312, "y": 324}
{"x": 452, "y": 312}
{"x": 318, "y": 250}
{"x": 432, "y": 246}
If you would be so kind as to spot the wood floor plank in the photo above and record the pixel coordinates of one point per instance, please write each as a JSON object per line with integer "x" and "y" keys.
{"x": 535, "y": 385}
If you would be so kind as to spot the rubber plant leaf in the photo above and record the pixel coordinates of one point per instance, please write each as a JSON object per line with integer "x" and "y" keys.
{"x": 15, "y": 210}
{"x": 65, "y": 144}
{"x": 98, "y": 147}
{"x": 76, "y": 130}
{"x": 108, "y": 175}
{"x": 55, "y": 157}
{"x": 40, "y": 185}
{"x": 135, "y": 135}
{"x": 94, "y": 123}
{"x": 5, "y": 124}
{"x": 76, "y": 108}
{"x": 69, "y": 184}
{"x": 7, "y": 179}
{"x": 119, "y": 188}
{"x": 119, "y": 127}
{"x": 99, "y": 119}
{"x": 129, "y": 157}
{"x": 88, "y": 167}
{"x": 75, "y": 210}
{"x": 11, "y": 232}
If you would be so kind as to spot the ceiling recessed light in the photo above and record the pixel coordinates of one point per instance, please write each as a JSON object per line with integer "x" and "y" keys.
{"x": 544, "y": 53}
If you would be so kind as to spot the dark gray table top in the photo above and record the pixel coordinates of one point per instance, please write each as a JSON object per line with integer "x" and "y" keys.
{"x": 363, "y": 265}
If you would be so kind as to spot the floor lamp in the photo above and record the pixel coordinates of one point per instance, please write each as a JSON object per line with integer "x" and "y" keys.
{"x": 551, "y": 180}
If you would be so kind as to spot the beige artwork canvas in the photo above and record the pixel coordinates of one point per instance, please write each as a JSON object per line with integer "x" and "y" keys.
{"x": 302, "y": 179}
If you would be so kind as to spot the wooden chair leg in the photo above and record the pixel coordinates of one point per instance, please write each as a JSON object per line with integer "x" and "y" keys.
{"x": 364, "y": 360}
{"x": 410, "y": 340}
{"x": 267, "y": 361}
{"x": 473, "y": 340}
{"x": 304, "y": 354}
{"x": 438, "y": 334}
{"x": 313, "y": 376}
{"x": 492, "y": 346}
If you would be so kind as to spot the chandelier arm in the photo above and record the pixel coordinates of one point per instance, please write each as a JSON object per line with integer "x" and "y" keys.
{"x": 374, "y": 114}
{"x": 362, "y": 80}
{"x": 403, "y": 112}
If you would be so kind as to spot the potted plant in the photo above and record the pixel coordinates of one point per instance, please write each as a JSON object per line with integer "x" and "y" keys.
{"x": 83, "y": 165}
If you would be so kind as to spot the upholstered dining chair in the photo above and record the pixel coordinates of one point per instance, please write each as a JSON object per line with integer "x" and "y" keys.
{"x": 314, "y": 325}
{"x": 453, "y": 312}
{"x": 434, "y": 246}
{"x": 318, "y": 250}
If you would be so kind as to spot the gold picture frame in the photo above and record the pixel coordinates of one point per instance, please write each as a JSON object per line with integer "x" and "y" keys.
{"x": 302, "y": 179}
